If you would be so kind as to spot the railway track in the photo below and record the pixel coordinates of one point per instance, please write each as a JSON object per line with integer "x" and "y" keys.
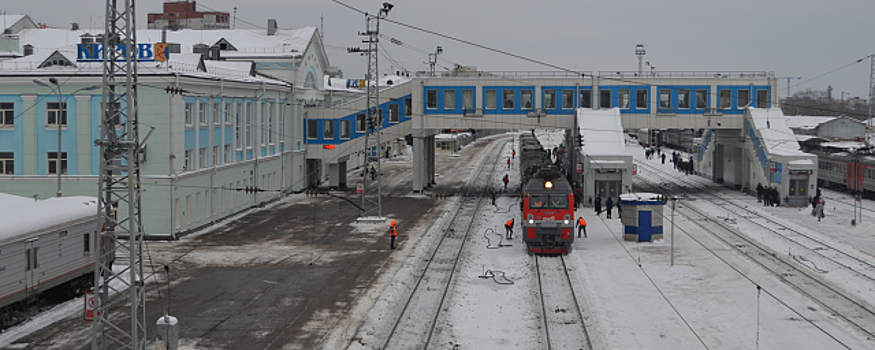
{"x": 841, "y": 304}
{"x": 564, "y": 326}
{"x": 432, "y": 286}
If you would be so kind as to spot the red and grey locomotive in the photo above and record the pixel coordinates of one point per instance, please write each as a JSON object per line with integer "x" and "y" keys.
{"x": 547, "y": 202}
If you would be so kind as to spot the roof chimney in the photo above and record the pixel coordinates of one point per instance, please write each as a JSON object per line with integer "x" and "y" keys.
{"x": 271, "y": 27}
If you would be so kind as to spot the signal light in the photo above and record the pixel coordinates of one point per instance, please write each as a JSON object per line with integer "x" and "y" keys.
{"x": 548, "y": 184}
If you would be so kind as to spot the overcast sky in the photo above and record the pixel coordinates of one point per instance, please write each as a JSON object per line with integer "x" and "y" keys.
{"x": 789, "y": 37}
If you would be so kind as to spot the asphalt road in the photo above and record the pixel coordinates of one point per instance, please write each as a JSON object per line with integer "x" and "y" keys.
{"x": 278, "y": 278}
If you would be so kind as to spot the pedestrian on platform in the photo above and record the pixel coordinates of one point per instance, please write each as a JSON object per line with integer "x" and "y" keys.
{"x": 581, "y": 227}
{"x": 508, "y": 163}
{"x": 663, "y": 158}
{"x": 818, "y": 209}
{"x": 393, "y": 232}
{"x": 493, "y": 196}
{"x": 598, "y": 204}
{"x": 508, "y": 229}
{"x": 766, "y": 195}
{"x": 609, "y": 204}
{"x": 513, "y": 153}
{"x": 759, "y": 192}
{"x": 505, "y": 180}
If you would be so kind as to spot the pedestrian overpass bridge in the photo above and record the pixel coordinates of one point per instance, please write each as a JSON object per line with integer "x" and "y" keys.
{"x": 420, "y": 108}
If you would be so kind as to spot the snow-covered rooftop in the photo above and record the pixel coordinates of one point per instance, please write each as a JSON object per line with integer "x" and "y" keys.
{"x": 22, "y": 215}
{"x": 806, "y": 122}
{"x": 602, "y": 131}
{"x": 776, "y": 135}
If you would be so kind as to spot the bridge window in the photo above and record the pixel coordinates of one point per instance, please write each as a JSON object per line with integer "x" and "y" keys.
{"x": 641, "y": 100}
{"x": 312, "y": 129}
{"x": 508, "y": 98}
{"x": 567, "y": 99}
{"x": 623, "y": 98}
{"x": 489, "y": 99}
{"x": 467, "y": 99}
{"x": 408, "y": 106}
{"x": 393, "y": 113}
{"x": 328, "y": 129}
{"x": 605, "y": 99}
{"x": 762, "y": 98}
{"x": 431, "y": 99}
{"x": 344, "y": 129}
{"x": 684, "y": 99}
{"x": 526, "y": 99}
{"x": 665, "y": 98}
{"x": 725, "y": 99}
{"x": 743, "y": 98}
{"x": 360, "y": 122}
{"x": 549, "y": 99}
{"x": 586, "y": 98}
{"x": 701, "y": 99}
{"x": 449, "y": 99}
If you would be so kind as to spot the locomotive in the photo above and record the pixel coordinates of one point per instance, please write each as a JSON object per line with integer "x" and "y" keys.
{"x": 547, "y": 201}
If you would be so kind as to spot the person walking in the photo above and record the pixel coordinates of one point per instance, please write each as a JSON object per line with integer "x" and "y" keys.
{"x": 513, "y": 153}
{"x": 818, "y": 209}
{"x": 598, "y": 204}
{"x": 766, "y": 196}
{"x": 759, "y": 192}
{"x": 619, "y": 209}
{"x": 393, "y": 232}
{"x": 506, "y": 180}
{"x": 493, "y": 196}
{"x": 663, "y": 158}
{"x": 581, "y": 227}
{"x": 609, "y": 204}
{"x": 508, "y": 229}
{"x": 508, "y": 163}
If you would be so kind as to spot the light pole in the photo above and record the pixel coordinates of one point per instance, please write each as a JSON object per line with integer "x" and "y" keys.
{"x": 674, "y": 204}
{"x": 62, "y": 104}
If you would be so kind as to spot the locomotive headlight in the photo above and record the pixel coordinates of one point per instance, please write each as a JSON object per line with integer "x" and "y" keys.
{"x": 566, "y": 222}
{"x": 531, "y": 222}
{"x": 548, "y": 184}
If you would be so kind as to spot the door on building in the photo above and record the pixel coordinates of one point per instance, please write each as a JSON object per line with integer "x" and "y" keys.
{"x": 608, "y": 189}
{"x": 645, "y": 226}
{"x": 314, "y": 172}
{"x": 798, "y": 193}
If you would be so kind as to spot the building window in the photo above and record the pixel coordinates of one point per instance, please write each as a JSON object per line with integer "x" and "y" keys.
{"x": 489, "y": 99}
{"x": 743, "y": 98}
{"x": 7, "y": 163}
{"x": 217, "y": 113}
{"x": 204, "y": 113}
{"x": 270, "y": 120}
{"x": 217, "y": 159}
{"x": 431, "y": 99}
{"x": 52, "y": 158}
{"x": 665, "y": 98}
{"x": 623, "y": 98}
{"x": 238, "y": 127}
{"x": 393, "y": 114}
{"x": 762, "y": 98}
{"x": 202, "y": 158}
{"x": 263, "y": 125}
{"x": 189, "y": 160}
{"x": 228, "y": 108}
{"x": 725, "y": 99}
{"x": 7, "y": 114}
{"x": 508, "y": 98}
{"x": 526, "y": 100}
{"x": 585, "y": 98}
{"x": 408, "y": 107}
{"x": 684, "y": 99}
{"x": 567, "y": 99}
{"x": 282, "y": 122}
{"x": 247, "y": 126}
{"x": 549, "y": 99}
{"x": 605, "y": 99}
{"x": 344, "y": 129}
{"x": 228, "y": 154}
{"x": 328, "y": 129}
{"x": 701, "y": 99}
{"x": 189, "y": 114}
{"x": 468, "y": 99}
{"x": 360, "y": 122}
{"x": 449, "y": 99}
{"x": 312, "y": 129}
{"x": 641, "y": 101}
{"x": 56, "y": 113}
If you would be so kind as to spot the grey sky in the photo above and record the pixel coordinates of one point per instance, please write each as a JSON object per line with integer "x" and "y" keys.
{"x": 789, "y": 37}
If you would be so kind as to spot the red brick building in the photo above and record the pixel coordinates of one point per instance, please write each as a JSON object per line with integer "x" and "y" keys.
{"x": 184, "y": 15}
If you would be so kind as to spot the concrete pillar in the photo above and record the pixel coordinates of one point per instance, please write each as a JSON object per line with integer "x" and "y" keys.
{"x": 420, "y": 164}
{"x": 84, "y": 143}
{"x": 167, "y": 330}
{"x": 431, "y": 159}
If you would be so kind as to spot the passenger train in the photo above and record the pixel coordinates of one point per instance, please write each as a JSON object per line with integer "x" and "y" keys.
{"x": 45, "y": 244}
{"x": 547, "y": 201}
{"x": 839, "y": 169}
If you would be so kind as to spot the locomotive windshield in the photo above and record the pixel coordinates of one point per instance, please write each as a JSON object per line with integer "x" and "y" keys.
{"x": 548, "y": 202}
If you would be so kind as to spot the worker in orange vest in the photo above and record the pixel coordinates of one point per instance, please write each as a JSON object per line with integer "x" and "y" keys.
{"x": 581, "y": 226}
{"x": 508, "y": 227}
{"x": 513, "y": 153}
{"x": 508, "y": 163}
{"x": 393, "y": 232}
{"x": 505, "y": 179}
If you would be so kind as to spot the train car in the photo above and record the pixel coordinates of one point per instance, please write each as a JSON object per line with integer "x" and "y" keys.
{"x": 45, "y": 244}
{"x": 532, "y": 157}
{"x": 841, "y": 170}
{"x": 680, "y": 139}
{"x": 548, "y": 212}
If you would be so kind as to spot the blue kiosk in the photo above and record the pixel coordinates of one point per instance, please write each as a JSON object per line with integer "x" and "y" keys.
{"x": 642, "y": 216}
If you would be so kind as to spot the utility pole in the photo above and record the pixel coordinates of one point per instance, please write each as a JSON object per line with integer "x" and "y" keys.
{"x": 788, "y": 83}
{"x": 433, "y": 57}
{"x": 372, "y": 192}
{"x": 119, "y": 191}
{"x": 871, "y": 92}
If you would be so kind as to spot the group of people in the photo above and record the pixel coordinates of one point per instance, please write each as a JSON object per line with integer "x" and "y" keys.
{"x": 609, "y": 204}
{"x": 768, "y": 195}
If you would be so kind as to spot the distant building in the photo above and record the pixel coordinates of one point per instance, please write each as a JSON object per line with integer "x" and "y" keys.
{"x": 184, "y": 15}
{"x": 833, "y": 128}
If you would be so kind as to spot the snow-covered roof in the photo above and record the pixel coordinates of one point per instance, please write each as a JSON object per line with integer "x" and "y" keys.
{"x": 21, "y": 216}
{"x": 806, "y": 122}
{"x": 777, "y": 137}
{"x": 602, "y": 131}
{"x": 249, "y": 43}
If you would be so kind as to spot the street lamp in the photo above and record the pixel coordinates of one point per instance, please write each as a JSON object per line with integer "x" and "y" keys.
{"x": 62, "y": 104}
